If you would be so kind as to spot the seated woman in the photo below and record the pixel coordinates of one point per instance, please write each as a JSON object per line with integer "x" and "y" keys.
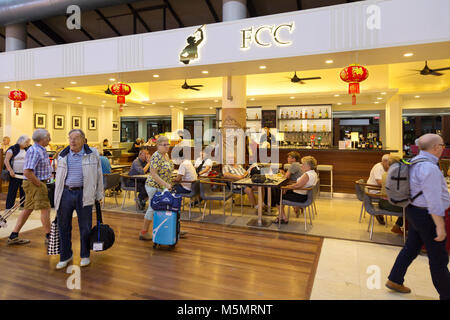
{"x": 307, "y": 180}
{"x": 186, "y": 172}
{"x": 385, "y": 204}
{"x": 106, "y": 144}
{"x": 237, "y": 172}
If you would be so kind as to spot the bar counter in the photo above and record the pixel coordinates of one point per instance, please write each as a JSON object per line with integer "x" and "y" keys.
{"x": 348, "y": 165}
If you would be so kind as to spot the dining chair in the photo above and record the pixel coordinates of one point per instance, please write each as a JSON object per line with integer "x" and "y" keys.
{"x": 207, "y": 194}
{"x": 307, "y": 205}
{"x": 124, "y": 179}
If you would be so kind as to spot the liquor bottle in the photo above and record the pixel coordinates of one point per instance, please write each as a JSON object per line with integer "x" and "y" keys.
{"x": 314, "y": 128}
{"x": 326, "y": 113}
{"x": 320, "y": 114}
{"x": 380, "y": 144}
{"x": 293, "y": 127}
{"x": 296, "y": 114}
{"x": 306, "y": 114}
{"x": 285, "y": 128}
{"x": 292, "y": 115}
{"x": 301, "y": 114}
{"x": 375, "y": 143}
{"x": 323, "y": 128}
{"x": 256, "y": 116}
{"x": 307, "y": 127}
{"x": 312, "y": 114}
{"x": 370, "y": 144}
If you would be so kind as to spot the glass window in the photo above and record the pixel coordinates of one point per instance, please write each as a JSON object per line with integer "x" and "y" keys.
{"x": 128, "y": 131}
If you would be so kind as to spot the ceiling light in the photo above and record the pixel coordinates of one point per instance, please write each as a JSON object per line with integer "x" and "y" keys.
{"x": 185, "y": 108}
{"x": 142, "y": 107}
{"x": 216, "y": 100}
{"x": 7, "y": 87}
{"x": 171, "y": 106}
{"x": 53, "y": 99}
{"x": 78, "y": 98}
{"x": 210, "y": 108}
{"x": 38, "y": 85}
{"x": 112, "y": 79}
{"x": 339, "y": 103}
{"x": 205, "y": 72}
{"x": 376, "y": 102}
{"x": 103, "y": 101}
{"x": 262, "y": 67}
{"x": 291, "y": 97}
{"x": 417, "y": 97}
{"x": 383, "y": 93}
{"x": 103, "y": 105}
{"x": 80, "y": 102}
{"x": 145, "y": 100}
{"x": 409, "y": 54}
{"x": 182, "y": 101}
{"x": 329, "y": 61}
{"x": 156, "y": 76}
{"x": 73, "y": 82}
{"x": 252, "y": 99}
{"x": 379, "y": 98}
{"x": 46, "y": 92}
{"x": 336, "y": 95}
{"x": 153, "y": 102}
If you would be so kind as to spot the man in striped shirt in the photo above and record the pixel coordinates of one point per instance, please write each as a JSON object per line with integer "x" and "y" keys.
{"x": 37, "y": 171}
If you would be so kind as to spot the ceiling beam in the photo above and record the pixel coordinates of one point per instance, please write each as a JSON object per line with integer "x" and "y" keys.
{"x": 35, "y": 40}
{"x": 211, "y": 9}
{"x": 251, "y": 8}
{"x": 180, "y": 23}
{"x": 87, "y": 34}
{"x": 299, "y": 5}
{"x": 42, "y": 26}
{"x": 107, "y": 22}
{"x": 137, "y": 15}
{"x": 151, "y": 8}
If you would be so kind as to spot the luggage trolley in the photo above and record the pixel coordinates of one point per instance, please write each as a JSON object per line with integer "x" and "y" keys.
{"x": 9, "y": 212}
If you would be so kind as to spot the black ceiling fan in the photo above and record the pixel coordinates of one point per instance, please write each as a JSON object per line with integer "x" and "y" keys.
{"x": 428, "y": 71}
{"x": 193, "y": 87}
{"x": 108, "y": 91}
{"x": 296, "y": 79}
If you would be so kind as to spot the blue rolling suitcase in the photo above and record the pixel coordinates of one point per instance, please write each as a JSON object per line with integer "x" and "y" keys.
{"x": 166, "y": 218}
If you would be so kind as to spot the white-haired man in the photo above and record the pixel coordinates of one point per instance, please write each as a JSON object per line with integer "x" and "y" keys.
{"x": 376, "y": 175}
{"x": 37, "y": 171}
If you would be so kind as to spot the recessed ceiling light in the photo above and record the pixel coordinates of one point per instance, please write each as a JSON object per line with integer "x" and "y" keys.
{"x": 205, "y": 71}
{"x": 210, "y": 107}
{"x": 291, "y": 97}
{"x": 336, "y": 95}
{"x": 112, "y": 79}
{"x": 103, "y": 101}
{"x": 185, "y": 108}
{"x": 376, "y": 102}
{"x": 262, "y": 67}
{"x": 73, "y": 82}
{"x": 38, "y": 85}
{"x": 339, "y": 103}
{"x": 383, "y": 93}
{"x": 153, "y": 102}
{"x": 46, "y": 92}
{"x": 182, "y": 101}
{"x": 142, "y": 107}
{"x": 379, "y": 98}
{"x": 103, "y": 105}
{"x": 409, "y": 54}
{"x": 216, "y": 100}
{"x": 7, "y": 87}
{"x": 53, "y": 99}
{"x": 156, "y": 76}
{"x": 80, "y": 102}
{"x": 252, "y": 99}
{"x": 171, "y": 106}
{"x": 329, "y": 61}
{"x": 145, "y": 100}
{"x": 417, "y": 97}
{"x": 78, "y": 98}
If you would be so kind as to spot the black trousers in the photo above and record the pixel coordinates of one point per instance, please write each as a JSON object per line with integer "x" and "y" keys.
{"x": 291, "y": 196}
{"x": 14, "y": 185}
{"x": 142, "y": 193}
{"x": 422, "y": 231}
{"x": 386, "y": 205}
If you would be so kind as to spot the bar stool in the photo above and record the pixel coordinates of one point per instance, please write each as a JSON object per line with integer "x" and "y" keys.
{"x": 328, "y": 168}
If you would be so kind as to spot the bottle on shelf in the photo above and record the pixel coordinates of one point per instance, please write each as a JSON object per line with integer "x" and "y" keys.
{"x": 371, "y": 144}
{"x": 301, "y": 114}
{"x": 285, "y": 127}
{"x": 314, "y": 128}
{"x": 320, "y": 114}
{"x": 306, "y": 114}
{"x": 312, "y": 114}
{"x": 307, "y": 127}
{"x": 296, "y": 114}
{"x": 375, "y": 143}
{"x": 323, "y": 128}
{"x": 380, "y": 144}
{"x": 256, "y": 115}
{"x": 326, "y": 113}
{"x": 292, "y": 115}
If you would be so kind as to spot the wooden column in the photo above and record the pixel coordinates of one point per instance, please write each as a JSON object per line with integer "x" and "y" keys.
{"x": 336, "y": 131}
{"x": 418, "y": 127}
{"x": 446, "y": 129}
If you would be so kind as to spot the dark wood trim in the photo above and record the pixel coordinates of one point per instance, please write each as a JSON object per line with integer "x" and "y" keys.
{"x": 49, "y": 32}
{"x": 87, "y": 34}
{"x": 35, "y": 40}
{"x": 151, "y": 8}
{"x": 138, "y": 16}
{"x": 251, "y": 8}
{"x": 211, "y": 9}
{"x": 299, "y": 5}
{"x": 107, "y": 22}
{"x": 175, "y": 15}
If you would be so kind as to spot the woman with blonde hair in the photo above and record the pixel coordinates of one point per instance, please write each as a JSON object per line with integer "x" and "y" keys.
{"x": 307, "y": 180}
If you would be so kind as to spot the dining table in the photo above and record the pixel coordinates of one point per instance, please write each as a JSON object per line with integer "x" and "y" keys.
{"x": 272, "y": 181}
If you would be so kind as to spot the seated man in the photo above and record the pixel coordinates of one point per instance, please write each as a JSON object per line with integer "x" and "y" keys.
{"x": 375, "y": 178}
{"x": 237, "y": 172}
{"x": 202, "y": 165}
{"x": 140, "y": 166}
{"x": 186, "y": 172}
{"x": 106, "y": 166}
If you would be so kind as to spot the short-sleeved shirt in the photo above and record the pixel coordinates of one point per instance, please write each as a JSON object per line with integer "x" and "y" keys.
{"x": 376, "y": 173}
{"x": 295, "y": 170}
{"x": 188, "y": 172}
{"x": 163, "y": 167}
{"x": 239, "y": 170}
{"x": 37, "y": 160}
{"x": 137, "y": 167}
{"x": 207, "y": 163}
{"x": 18, "y": 161}
{"x": 106, "y": 166}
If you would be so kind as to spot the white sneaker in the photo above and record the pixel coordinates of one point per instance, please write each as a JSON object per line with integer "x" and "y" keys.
{"x": 85, "y": 262}
{"x": 63, "y": 264}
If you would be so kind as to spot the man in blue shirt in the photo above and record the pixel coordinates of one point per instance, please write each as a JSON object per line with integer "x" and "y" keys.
{"x": 140, "y": 166}
{"x": 425, "y": 216}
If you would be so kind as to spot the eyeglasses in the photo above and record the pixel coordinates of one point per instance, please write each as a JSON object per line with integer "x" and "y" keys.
{"x": 165, "y": 145}
{"x": 442, "y": 145}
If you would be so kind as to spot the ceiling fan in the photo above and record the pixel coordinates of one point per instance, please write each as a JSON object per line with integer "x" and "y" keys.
{"x": 296, "y": 79}
{"x": 428, "y": 71}
{"x": 193, "y": 87}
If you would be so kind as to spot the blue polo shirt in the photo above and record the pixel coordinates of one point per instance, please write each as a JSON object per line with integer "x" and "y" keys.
{"x": 75, "y": 169}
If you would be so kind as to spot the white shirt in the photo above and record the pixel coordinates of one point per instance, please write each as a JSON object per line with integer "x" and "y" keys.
{"x": 188, "y": 172}
{"x": 376, "y": 173}
{"x": 208, "y": 163}
{"x": 312, "y": 180}
{"x": 19, "y": 161}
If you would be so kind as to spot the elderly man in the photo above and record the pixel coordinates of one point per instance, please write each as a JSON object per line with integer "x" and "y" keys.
{"x": 37, "y": 171}
{"x": 79, "y": 183}
{"x": 375, "y": 178}
{"x": 425, "y": 216}
{"x": 140, "y": 166}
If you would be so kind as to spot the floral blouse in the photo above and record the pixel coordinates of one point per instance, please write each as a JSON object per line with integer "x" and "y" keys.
{"x": 163, "y": 167}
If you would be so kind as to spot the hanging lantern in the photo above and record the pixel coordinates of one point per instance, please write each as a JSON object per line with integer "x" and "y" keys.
{"x": 354, "y": 74}
{"x": 120, "y": 90}
{"x": 17, "y": 96}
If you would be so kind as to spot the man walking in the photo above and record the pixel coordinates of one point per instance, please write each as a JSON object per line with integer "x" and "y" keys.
{"x": 425, "y": 216}
{"x": 79, "y": 182}
{"x": 37, "y": 171}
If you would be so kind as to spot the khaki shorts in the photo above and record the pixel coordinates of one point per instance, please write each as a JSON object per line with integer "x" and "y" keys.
{"x": 36, "y": 198}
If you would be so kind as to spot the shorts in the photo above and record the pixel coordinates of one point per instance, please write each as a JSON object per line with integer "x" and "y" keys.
{"x": 36, "y": 198}
{"x": 150, "y": 192}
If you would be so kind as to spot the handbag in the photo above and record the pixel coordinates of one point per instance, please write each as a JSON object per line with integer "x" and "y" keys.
{"x": 166, "y": 201}
{"x": 5, "y": 175}
{"x": 258, "y": 178}
{"x": 102, "y": 236}
{"x": 54, "y": 240}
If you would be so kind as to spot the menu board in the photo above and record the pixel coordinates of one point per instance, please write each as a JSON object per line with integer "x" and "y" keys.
{"x": 269, "y": 119}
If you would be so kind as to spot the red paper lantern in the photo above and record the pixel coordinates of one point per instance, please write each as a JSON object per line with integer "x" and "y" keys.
{"x": 354, "y": 74}
{"x": 120, "y": 90}
{"x": 17, "y": 96}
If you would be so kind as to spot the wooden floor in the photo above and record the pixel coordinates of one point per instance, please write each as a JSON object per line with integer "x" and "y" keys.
{"x": 212, "y": 262}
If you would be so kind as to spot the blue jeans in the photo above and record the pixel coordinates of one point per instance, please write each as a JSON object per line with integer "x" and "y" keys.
{"x": 422, "y": 231}
{"x": 73, "y": 200}
{"x": 150, "y": 192}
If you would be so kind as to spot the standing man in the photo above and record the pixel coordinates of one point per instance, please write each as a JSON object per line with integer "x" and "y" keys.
{"x": 140, "y": 166}
{"x": 37, "y": 171}
{"x": 425, "y": 216}
{"x": 79, "y": 182}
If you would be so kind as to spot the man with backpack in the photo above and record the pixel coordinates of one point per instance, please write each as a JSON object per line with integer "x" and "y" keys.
{"x": 425, "y": 211}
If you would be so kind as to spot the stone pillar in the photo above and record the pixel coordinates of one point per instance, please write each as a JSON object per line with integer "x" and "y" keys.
{"x": 16, "y": 37}
{"x": 234, "y": 10}
{"x": 394, "y": 125}
{"x": 177, "y": 119}
{"x": 382, "y": 127}
{"x": 234, "y": 104}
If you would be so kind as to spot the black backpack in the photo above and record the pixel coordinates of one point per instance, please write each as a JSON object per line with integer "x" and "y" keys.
{"x": 101, "y": 233}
